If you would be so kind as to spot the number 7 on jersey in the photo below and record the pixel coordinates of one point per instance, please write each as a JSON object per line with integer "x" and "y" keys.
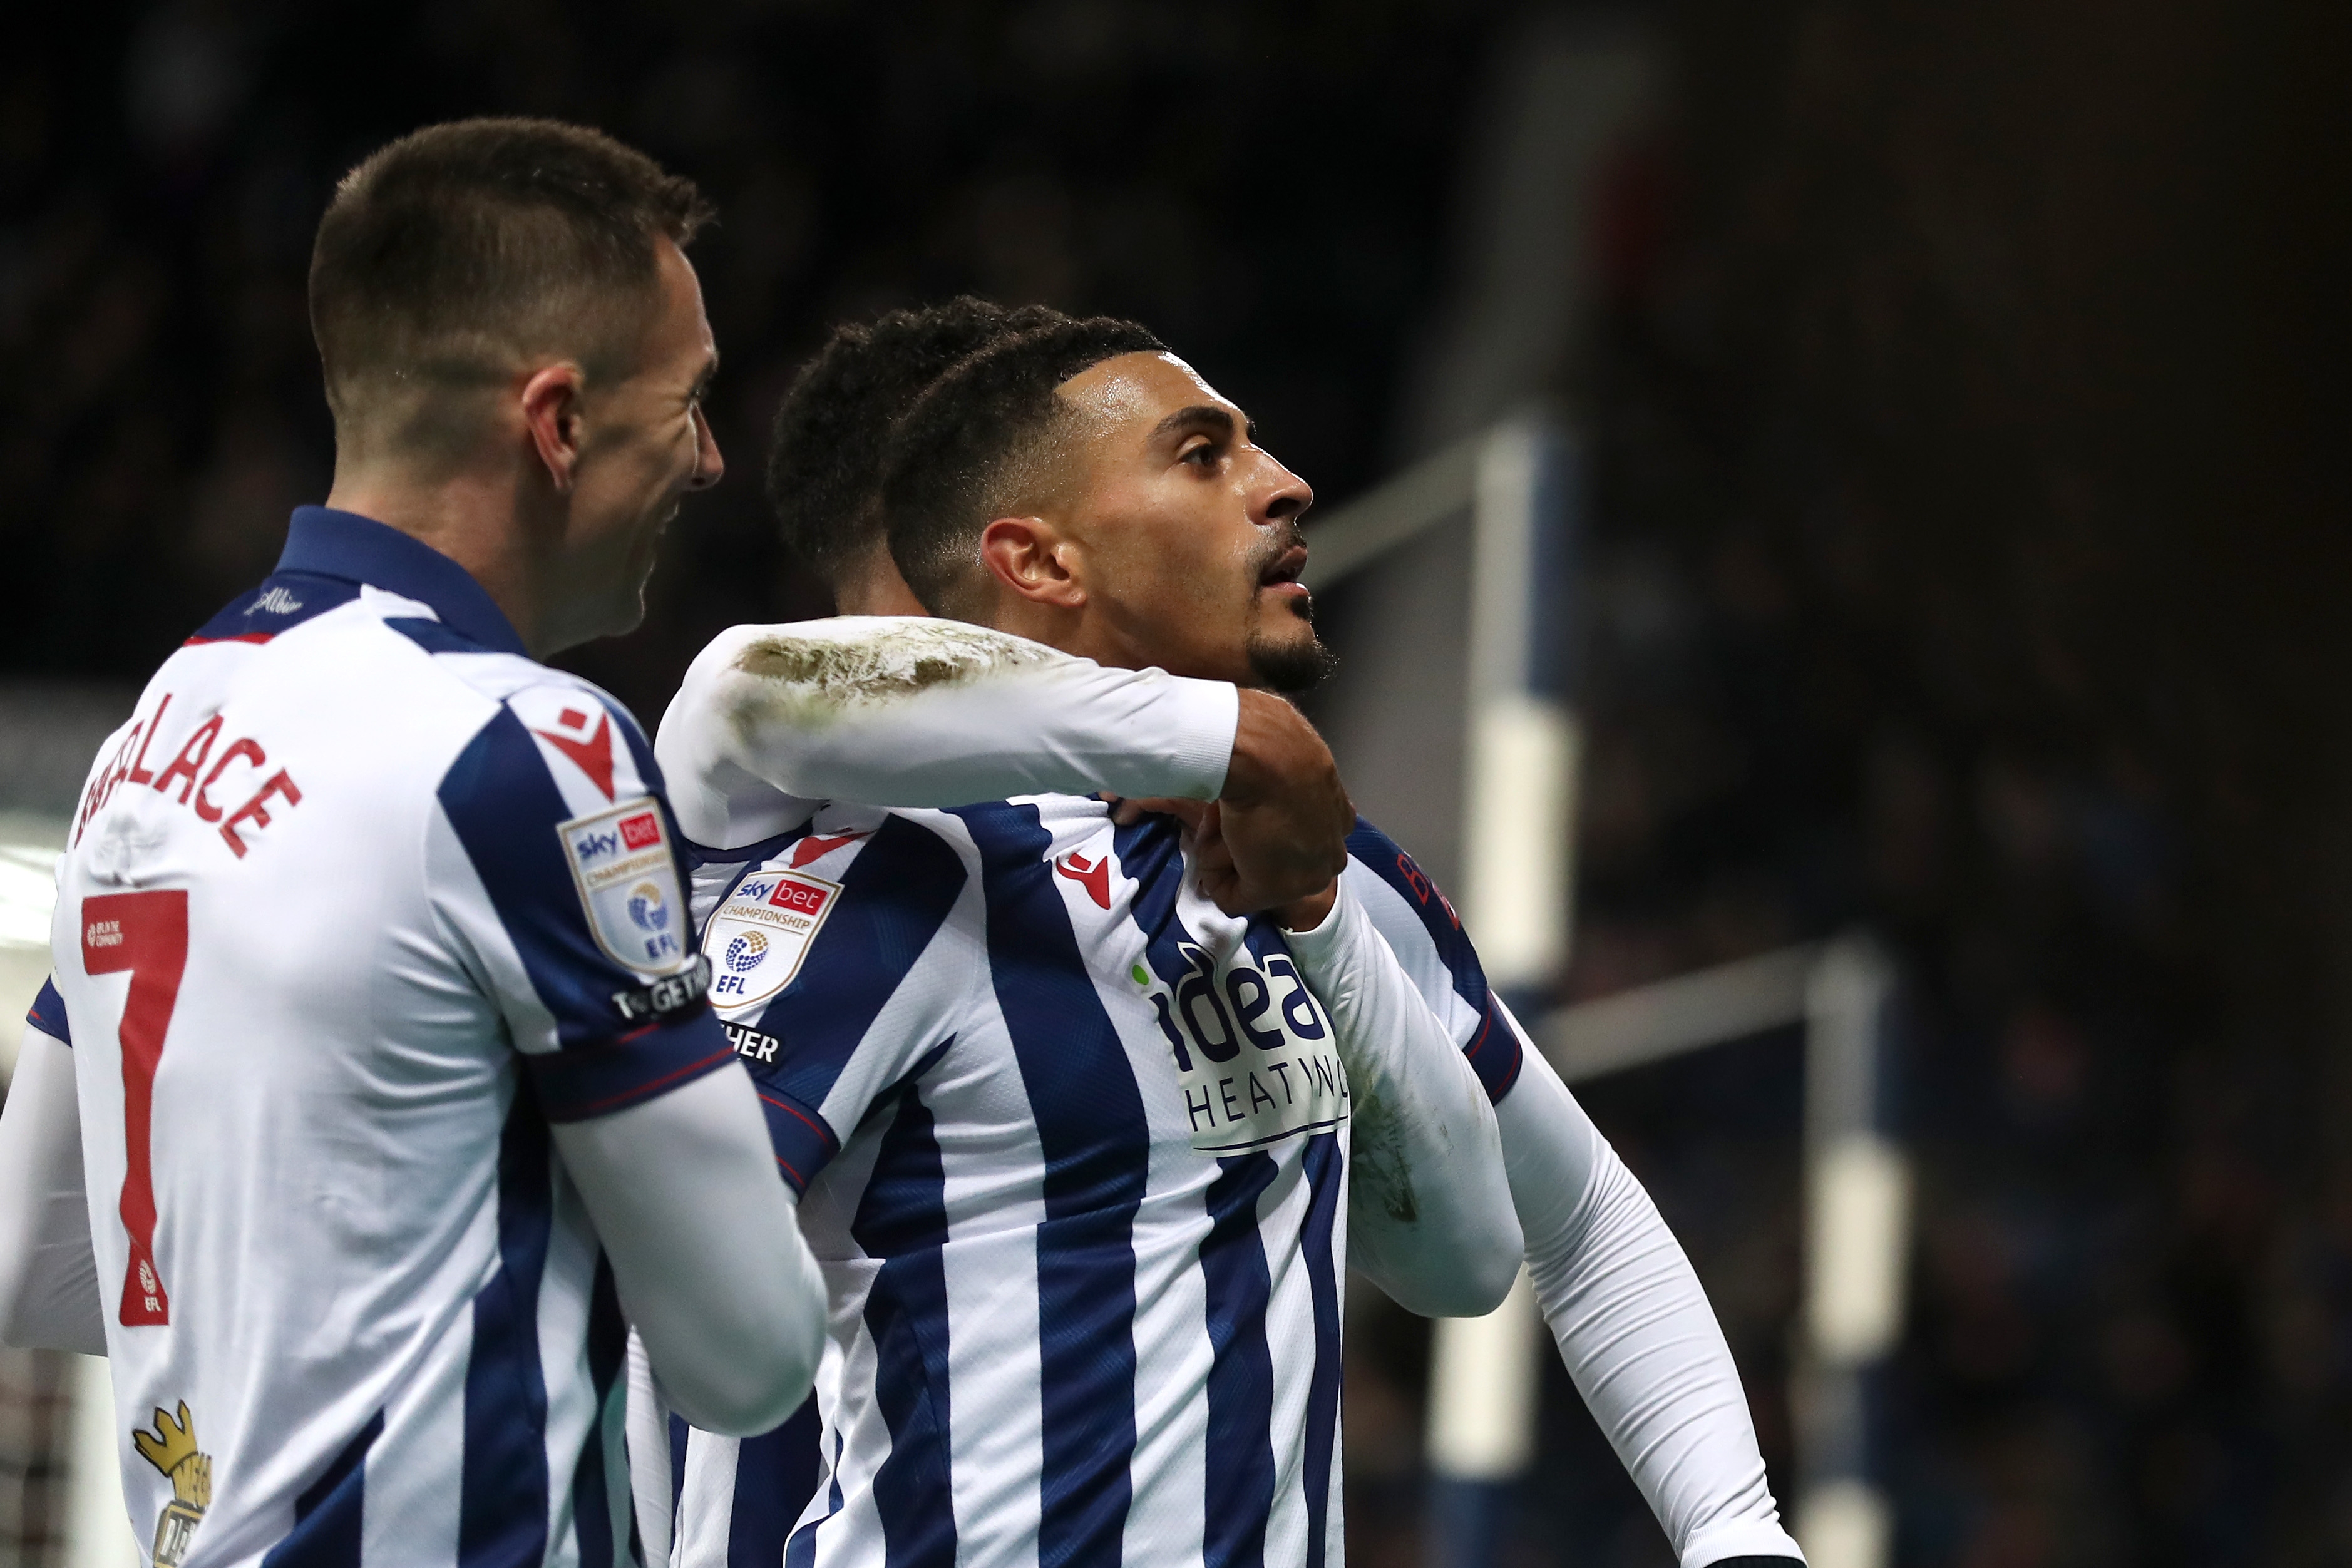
{"x": 147, "y": 933}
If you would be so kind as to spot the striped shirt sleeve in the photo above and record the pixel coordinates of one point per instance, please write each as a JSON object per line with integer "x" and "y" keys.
{"x": 568, "y": 891}
{"x": 1422, "y": 928}
{"x": 875, "y": 1000}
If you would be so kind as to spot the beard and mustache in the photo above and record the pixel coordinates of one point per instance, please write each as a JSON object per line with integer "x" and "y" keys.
{"x": 1285, "y": 665}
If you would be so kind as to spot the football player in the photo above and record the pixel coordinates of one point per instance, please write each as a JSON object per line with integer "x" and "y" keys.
{"x": 774, "y": 719}
{"x": 376, "y": 1091}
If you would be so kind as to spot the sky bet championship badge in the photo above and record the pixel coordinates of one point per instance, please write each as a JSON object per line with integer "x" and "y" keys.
{"x": 628, "y": 884}
{"x": 760, "y": 935}
{"x": 171, "y": 1448}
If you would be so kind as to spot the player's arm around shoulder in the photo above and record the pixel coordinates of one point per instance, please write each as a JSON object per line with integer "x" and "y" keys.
{"x": 1429, "y": 1213}
{"x": 908, "y": 711}
{"x": 558, "y": 871}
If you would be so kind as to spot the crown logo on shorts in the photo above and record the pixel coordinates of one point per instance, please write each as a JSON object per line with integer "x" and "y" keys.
{"x": 172, "y": 1449}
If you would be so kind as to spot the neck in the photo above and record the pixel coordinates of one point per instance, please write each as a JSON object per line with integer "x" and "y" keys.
{"x": 873, "y": 587}
{"x": 1070, "y": 629}
{"x": 492, "y": 524}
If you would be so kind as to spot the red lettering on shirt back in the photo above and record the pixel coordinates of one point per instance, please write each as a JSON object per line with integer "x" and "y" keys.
{"x": 1423, "y": 889}
{"x": 256, "y": 810}
{"x": 178, "y": 782}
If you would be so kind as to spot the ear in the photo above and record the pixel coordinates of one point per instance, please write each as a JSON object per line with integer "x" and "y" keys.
{"x": 1027, "y": 556}
{"x": 551, "y": 411}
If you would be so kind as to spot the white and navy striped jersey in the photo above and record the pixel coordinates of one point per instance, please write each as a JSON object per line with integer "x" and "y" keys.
{"x": 1075, "y": 1144}
{"x": 357, "y": 904}
{"x": 1075, "y": 1148}
{"x": 772, "y": 720}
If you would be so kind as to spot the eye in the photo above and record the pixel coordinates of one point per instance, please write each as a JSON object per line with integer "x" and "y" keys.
{"x": 1204, "y": 456}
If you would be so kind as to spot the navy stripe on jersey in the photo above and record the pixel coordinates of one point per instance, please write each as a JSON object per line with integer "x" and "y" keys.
{"x": 283, "y": 601}
{"x": 597, "y": 1079}
{"x": 800, "y": 1551}
{"x": 505, "y": 809}
{"x": 349, "y": 547}
{"x": 1091, "y": 1127}
{"x": 595, "y": 1500}
{"x": 1494, "y": 1051}
{"x": 1390, "y": 863}
{"x": 330, "y": 1512}
{"x": 895, "y": 897}
{"x": 1240, "y": 1481}
{"x": 1494, "y": 1054}
{"x": 432, "y": 635}
{"x": 902, "y": 1219}
{"x": 1326, "y": 1170}
{"x": 776, "y": 1473}
{"x": 747, "y": 855}
{"x": 47, "y": 1013}
{"x": 803, "y": 1144}
{"x": 502, "y": 1501}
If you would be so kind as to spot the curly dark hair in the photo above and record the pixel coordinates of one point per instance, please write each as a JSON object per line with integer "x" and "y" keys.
{"x": 826, "y": 449}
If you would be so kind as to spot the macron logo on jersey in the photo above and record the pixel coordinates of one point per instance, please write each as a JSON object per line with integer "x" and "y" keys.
{"x": 591, "y": 751}
{"x": 1093, "y": 875}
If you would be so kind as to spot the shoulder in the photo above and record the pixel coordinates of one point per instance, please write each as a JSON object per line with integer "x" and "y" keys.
{"x": 1411, "y": 910}
{"x": 824, "y": 665}
{"x": 696, "y": 725}
{"x": 548, "y": 748}
{"x": 1385, "y": 862}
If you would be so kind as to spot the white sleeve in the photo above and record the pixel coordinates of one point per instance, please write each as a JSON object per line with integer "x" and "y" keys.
{"x": 1634, "y": 1327}
{"x": 49, "y": 1298}
{"x": 911, "y": 712}
{"x": 646, "y": 1423}
{"x": 733, "y": 1314}
{"x": 1429, "y": 1204}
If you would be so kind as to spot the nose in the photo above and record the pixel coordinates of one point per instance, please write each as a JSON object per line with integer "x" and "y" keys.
{"x": 709, "y": 465}
{"x": 1282, "y": 496}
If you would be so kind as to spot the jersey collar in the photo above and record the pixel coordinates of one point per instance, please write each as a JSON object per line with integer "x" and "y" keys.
{"x": 328, "y": 542}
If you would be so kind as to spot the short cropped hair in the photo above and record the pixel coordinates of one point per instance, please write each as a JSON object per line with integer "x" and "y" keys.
{"x": 967, "y": 451}
{"x": 449, "y": 254}
{"x": 826, "y": 449}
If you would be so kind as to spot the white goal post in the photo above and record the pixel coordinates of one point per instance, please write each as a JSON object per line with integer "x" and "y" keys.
{"x": 1515, "y": 485}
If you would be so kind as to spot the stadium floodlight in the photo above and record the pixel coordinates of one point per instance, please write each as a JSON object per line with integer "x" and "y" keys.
{"x": 1517, "y": 481}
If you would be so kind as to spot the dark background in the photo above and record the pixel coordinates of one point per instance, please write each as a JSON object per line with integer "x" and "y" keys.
{"x": 1965, "y": 389}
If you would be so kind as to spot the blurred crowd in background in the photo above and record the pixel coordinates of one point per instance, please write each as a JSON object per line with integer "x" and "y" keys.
{"x": 1965, "y": 546}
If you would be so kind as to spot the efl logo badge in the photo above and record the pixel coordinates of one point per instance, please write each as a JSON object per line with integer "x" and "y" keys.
{"x": 622, "y": 864}
{"x": 758, "y": 938}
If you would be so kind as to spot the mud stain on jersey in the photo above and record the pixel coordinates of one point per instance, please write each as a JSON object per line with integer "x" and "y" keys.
{"x": 1377, "y": 1147}
{"x": 806, "y": 681}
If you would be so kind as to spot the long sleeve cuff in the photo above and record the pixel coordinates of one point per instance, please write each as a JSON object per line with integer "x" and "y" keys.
{"x": 1201, "y": 717}
{"x": 1739, "y": 1538}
